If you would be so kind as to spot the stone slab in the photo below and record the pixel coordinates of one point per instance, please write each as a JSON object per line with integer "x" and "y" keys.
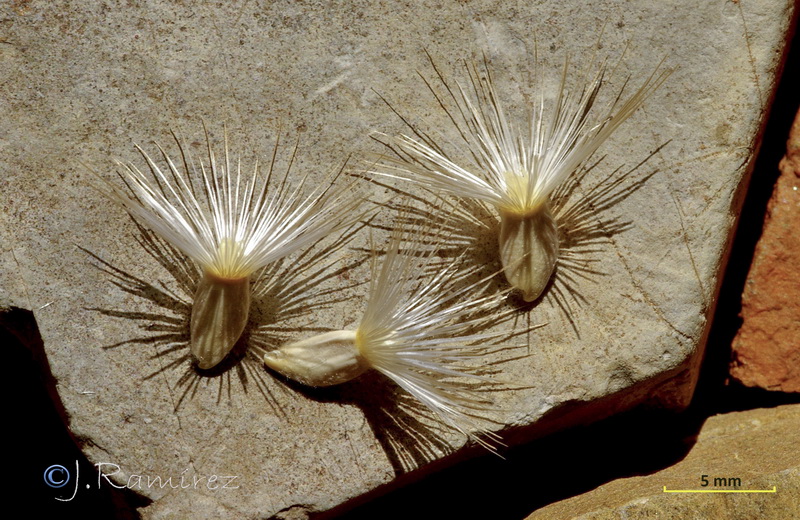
{"x": 83, "y": 81}
{"x": 760, "y": 447}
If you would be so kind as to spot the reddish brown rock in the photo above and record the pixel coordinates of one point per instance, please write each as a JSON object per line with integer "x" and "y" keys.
{"x": 767, "y": 347}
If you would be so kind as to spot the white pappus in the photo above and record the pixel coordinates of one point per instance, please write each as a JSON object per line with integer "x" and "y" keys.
{"x": 428, "y": 334}
{"x": 231, "y": 224}
{"x": 516, "y": 166}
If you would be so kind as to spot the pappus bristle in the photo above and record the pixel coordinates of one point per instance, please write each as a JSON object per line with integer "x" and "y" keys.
{"x": 427, "y": 334}
{"x": 517, "y": 167}
{"x": 231, "y": 224}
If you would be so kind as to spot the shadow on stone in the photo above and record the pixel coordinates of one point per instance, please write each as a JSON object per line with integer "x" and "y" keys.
{"x": 283, "y": 293}
{"x": 639, "y": 442}
{"x": 42, "y": 438}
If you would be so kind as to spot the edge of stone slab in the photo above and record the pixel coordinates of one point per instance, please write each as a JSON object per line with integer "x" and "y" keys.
{"x": 47, "y": 437}
{"x": 735, "y": 428}
{"x": 671, "y": 392}
{"x": 658, "y": 390}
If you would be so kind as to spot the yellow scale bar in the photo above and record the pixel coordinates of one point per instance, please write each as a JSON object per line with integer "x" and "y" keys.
{"x": 773, "y": 490}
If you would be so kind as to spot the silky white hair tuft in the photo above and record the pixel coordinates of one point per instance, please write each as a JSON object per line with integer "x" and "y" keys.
{"x": 516, "y": 167}
{"x": 231, "y": 224}
{"x": 428, "y": 334}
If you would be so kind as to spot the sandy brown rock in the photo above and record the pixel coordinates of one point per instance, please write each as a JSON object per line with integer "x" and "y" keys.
{"x": 761, "y": 447}
{"x": 767, "y": 347}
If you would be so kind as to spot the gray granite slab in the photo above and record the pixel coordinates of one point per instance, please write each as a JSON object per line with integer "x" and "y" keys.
{"x": 83, "y": 81}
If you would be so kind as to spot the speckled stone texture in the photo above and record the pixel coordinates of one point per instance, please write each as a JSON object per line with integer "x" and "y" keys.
{"x": 82, "y": 82}
{"x": 767, "y": 347}
{"x": 759, "y": 447}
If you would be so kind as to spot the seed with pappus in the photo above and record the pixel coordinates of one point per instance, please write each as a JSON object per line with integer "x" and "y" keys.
{"x": 516, "y": 167}
{"x": 427, "y": 334}
{"x": 231, "y": 224}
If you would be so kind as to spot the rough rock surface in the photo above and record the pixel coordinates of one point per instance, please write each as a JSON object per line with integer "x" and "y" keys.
{"x": 83, "y": 82}
{"x": 760, "y": 447}
{"x": 767, "y": 347}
